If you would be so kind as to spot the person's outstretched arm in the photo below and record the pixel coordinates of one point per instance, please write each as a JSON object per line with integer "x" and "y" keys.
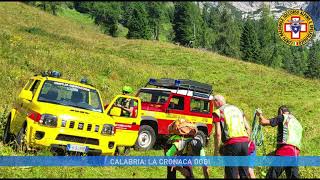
{"x": 262, "y": 120}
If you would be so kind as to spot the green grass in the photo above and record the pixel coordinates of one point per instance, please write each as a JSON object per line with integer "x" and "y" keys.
{"x": 32, "y": 40}
{"x": 73, "y": 15}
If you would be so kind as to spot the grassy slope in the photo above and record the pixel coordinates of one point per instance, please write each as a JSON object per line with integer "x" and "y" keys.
{"x": 32, "y": 40}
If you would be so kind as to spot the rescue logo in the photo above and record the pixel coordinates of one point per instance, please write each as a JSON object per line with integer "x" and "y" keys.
{"x": 295, "y": 27}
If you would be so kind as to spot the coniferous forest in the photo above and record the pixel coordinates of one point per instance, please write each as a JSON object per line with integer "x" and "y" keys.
{"x": 220, "y": 29}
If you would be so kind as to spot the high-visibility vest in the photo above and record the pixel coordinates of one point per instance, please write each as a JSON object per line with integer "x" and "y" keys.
{"x": 126, "y": 103}
{"x": 292, "y": 131}
{"x": 232, "y": 122}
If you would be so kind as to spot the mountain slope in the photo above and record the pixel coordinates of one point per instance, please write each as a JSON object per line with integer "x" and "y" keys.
{"x": 32, "y": 40}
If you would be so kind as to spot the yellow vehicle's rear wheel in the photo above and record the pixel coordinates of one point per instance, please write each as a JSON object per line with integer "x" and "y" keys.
{"x": 21, "y": 140}
{"x": 7, "y": 136}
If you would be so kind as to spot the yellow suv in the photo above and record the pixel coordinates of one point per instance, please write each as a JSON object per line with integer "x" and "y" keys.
{"x": 64, "y": 115}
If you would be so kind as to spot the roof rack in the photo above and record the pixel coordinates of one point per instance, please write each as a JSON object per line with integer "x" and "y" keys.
{"x": 181, "y": 84}
{"x": 49, "y": 73}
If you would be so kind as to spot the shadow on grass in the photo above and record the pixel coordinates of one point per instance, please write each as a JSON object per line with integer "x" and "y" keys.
{"x": 160, "y": 143}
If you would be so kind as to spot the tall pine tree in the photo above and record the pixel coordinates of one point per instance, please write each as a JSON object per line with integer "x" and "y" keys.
{"x": 207, "y": 35}
{"x": 212, "y": 21}
{"x": 108, "y": 15}
{"x": 138, "y": 24}
{"x": 276, "y": 58}
{"x": 266, "y": 29}
{"x": 229, "y": 32}
{"x": 313, "y": 64}
{"x": 187, "y": 24}
{"x": 156, "y": 11}
{"x": 295, "y": 59}
{"x": 249, "y": 44}
{"x": 200, "y": 27}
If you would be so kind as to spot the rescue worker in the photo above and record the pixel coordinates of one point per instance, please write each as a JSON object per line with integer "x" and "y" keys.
{"x": 184, "y": 145}
{"x": 129, "y": 107}
{"x": 127, "y": 104}
{"x": 232, "y": 129}
{"x": 288, "y": 139}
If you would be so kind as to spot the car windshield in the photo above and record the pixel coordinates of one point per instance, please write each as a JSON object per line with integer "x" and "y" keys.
{"x": 154, "y": 96}
{"x": 70, "y": 95}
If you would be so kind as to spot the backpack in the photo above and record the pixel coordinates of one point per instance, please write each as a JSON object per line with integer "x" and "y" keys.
{"x": 184, "y": 138}
{"x": 193, "y": 147}
{"x": 182, "y": 127}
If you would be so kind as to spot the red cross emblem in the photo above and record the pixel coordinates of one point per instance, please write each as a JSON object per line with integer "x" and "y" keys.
{"x": 295, "y": 28}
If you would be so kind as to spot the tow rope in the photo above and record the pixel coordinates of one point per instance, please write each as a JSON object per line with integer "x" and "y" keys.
{"x": 257, "y": 134}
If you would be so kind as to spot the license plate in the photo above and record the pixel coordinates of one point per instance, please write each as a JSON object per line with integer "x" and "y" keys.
{"x": 77, "y": 148}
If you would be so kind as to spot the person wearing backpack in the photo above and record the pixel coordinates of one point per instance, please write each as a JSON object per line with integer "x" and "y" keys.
{"x": 183, "y": 143}
{"x": 288, "y": 139}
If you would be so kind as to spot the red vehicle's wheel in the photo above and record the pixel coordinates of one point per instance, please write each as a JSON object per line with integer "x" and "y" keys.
{"x": 202, "y": 137}
{"x": 21, "y": 145}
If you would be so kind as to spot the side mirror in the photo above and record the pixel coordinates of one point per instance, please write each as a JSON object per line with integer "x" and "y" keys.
{"x": 115, "y": 111}
{"x": 27, "y": 95}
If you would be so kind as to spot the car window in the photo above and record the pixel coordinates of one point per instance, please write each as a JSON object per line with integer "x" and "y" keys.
{"x": 200, "y": 105}
{"x": 70, "y": 95}
{"x": 27, "y": 87}
{"x": 177, "y": 102}
{"x": 34, "y": 87}
{"x": 145, "y": 97}
{"x": 95, "y": 100}
{"x": 160, "y": 97}
{"x": 129, "y": 107}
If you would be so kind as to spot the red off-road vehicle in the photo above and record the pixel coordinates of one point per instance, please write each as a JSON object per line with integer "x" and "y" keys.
{"x": 169, "y": 99}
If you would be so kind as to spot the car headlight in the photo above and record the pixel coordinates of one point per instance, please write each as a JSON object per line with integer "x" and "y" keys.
{"x": 108, "y": 129}
{"x": 48, "y": 120}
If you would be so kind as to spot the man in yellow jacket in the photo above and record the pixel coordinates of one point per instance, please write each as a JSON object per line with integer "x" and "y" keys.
{"x": 232, "y": 129}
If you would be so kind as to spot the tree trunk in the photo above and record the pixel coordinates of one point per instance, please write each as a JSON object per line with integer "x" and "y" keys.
{"x": 157, "y": 33}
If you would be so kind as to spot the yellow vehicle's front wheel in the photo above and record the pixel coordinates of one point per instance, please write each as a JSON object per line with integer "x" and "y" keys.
{"x": 122, "y": 151}
{"x": 146, "y": 138}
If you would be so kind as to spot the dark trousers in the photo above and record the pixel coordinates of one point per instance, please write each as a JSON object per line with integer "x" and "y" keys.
{"x": 237, "y": 149}
{"x": 275, "y": 172}
{"x": 173, "y": 174}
